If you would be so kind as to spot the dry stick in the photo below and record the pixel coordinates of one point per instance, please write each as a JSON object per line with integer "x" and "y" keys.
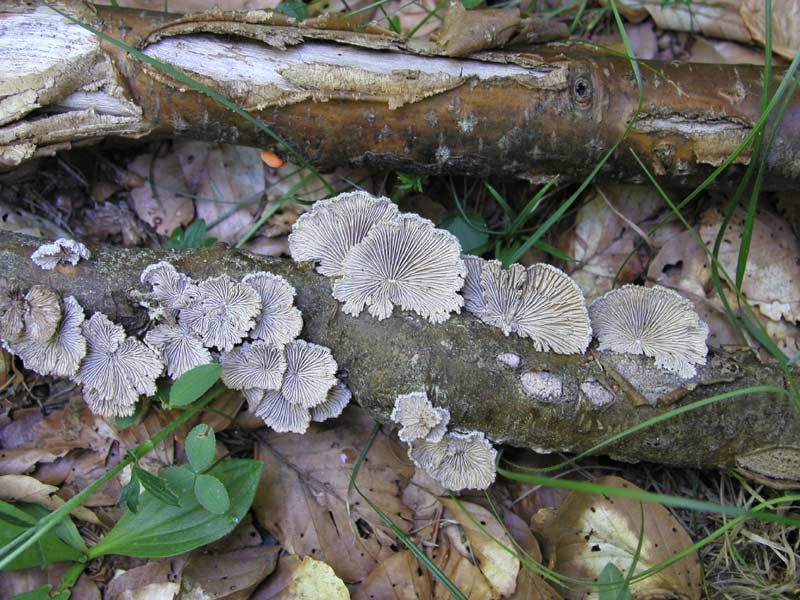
{"x": 384, "y": 102}
{"x": 456, "y": 364}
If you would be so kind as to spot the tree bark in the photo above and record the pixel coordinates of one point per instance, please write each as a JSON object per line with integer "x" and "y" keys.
{"x": 591, "y": 397}
{"x": 381, "y": 101}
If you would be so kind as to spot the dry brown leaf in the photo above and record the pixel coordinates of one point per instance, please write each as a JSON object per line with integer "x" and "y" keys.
{"x": 450, "y": 556}
{"x": 411, "y": 14}
{"x": 18, "y": 461}
{"x": 785, "y": 24}
{"x": 21, "y": 488}
{"x": 25, "y": 580}
{"x": 715, "y": 18}
{"x": 399, "y": 577}
{"x": 468, "y": 31}
{"x": 231, "y": 575}
{"x": 109, "y": 219}
{"x": 706, "y": 50}
{"x": 161, "y": 202}
{"x": 590, "y": 530}
{"x": 155, "y": 580}
{"x": 772, "y": 277}
{"x": 189, "y": 6}
{"x": 531, "y": 585}
{"x": 641, "y": 36}
{"x": 303, "y": 489}
{"x": 499, "y": 567}
{"x": 230, "y": 191}
{"x": 21, "y": 221}
{"x": 605, "y": 233}
{"x": 306, "y": 579}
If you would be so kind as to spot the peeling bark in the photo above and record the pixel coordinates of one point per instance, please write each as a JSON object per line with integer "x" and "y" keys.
{"x": 487, "y": 381}
{"x": 371, "y": 99}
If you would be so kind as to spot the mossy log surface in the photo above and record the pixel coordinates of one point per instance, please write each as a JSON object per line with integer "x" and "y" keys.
{"x": 376, "y": 100}
{"x": 456, "y": 363}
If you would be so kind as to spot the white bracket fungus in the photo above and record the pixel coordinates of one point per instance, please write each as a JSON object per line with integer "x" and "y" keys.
{"x": 542, "y": 385}
{"x": 61, "y": 354}
{"x": 540, "y": 302}
{"x": 179, "y": 347}
{"x": 116, "y": 370}
{"x": 172, "y": 290}
{"x": 332, "y": 227}
{"x": 225, "y": 311}
{"x": 654, "y": 321}
{"x": 459, "y": 461}
{"x": 34, "y": 315}
{"x": 338, "y": 397}
{"x": 62, "y": 251}
{"x": 310, "y": 375}
{"x": 280, "y": 320}
{"x": 472, "y": 290}
{"x": 418, "y": 419}
{"x": 257, "y": 365}
{"x": 406, "y": 262}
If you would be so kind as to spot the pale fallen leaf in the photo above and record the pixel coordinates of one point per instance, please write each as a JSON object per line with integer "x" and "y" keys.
{"x": 306, "y": 579}
{"x": 785, "y": 24}
{"x": 641, "y": 36}
{"x": 17, "y": 461}
{"x": 155, "y": 580}
{"x": 399, "y": 577}
{"x": 590, "y": 530}
{"x": 230, "y": 191}
{"x": 161, "y": 201}
{"x": 606, "y": 232}
{"x": 22, "y": 488}
{"x": 772, "y": 277}
{"x": 715, "y": 18}
{"x": 303, "y": 490}
{"x": 499, "y": 567}
{"x": 706, "y": 50}
{"x": 25, "y": 580}
{"x": 452, "y": 558}
{"x": 531, "y": 585}
{"x": 21, "y": 221}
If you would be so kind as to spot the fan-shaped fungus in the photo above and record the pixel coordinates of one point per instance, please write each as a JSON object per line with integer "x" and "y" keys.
{"x": 280, "y": 320}
{"x": 418, "y": 419}
{"x": 338, "y": 397}
{"x": 116, "y": 368}
{"x": 257, "y": 365}
{"x": 652, "y": 321}
{"x": 61, "y": 354}
{"x": 34, "y": 315}
{"x": 224, "y": 312}
{"x": 172, "y": 290}
{"x": 459, "y": 461}
{"x": 332, "y": 227}
{"x": 407, "y": 262}
{"x": 179, "y": 347}
{"x": 62, "y": 251}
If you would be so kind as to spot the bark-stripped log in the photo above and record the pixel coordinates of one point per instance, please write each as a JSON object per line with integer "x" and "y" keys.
{"x": 375, "y": 100}
{"x": 581, "y": 401}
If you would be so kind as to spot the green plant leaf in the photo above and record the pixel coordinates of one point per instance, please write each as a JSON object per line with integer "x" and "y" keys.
{"x": 48, "y": 549}
{"x": 471, "y": 234}
{"x": 293, "y": 8}
{"x": 160, "y": 530}
{"x": 193, "y": 384}
{"x": 156, "y": 486}
{"x": 141, "y": 408}
{"x": 211, "y": 494}
{"x": 40, "y": 593}
{"x": 611, "y": 574}
{"x": 201, "y": 445}
{"x": 194, "y": 236}
{"x": 471, "y": 3}
{"x": 130, "y": 493}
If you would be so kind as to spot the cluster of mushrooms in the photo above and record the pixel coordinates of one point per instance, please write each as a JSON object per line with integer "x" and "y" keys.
{"x": 379, "y": 258}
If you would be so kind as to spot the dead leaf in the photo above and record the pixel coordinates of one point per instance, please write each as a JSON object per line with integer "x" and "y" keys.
{"x": 162, "y": 202}
{"x": 468, "y": 31}
{"x": 411, "y": 14}
{"x": 499, "y": 567}
{"x": 532, "y": 586}
{"x": 305, "y": 579}
{"x": 400, "y": 577}
{"x": 21, "y": 221}
{"x": 772, "y": 277}
{"x": 715, "y": 18}
{"x": 21, "y": 488}
{"x": 190, "y": 6}
{"x": 452, "y": 558}
{"x": 785, "y": 24}
{"x": 590, "y": 530}
{"x": 230, "y": 575}
{"x": 303, "y": 490}
{"x": 25, "y": 580}
{"x": 706, "y": 50}
{"x": 230, "y": 191}
{"x": 108, "y": 219}
{"x": 155, "y": 580}
{"x": 607, "y": 229}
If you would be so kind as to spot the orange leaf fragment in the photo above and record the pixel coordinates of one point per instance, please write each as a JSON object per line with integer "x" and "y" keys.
{"x": 271, "y": 159}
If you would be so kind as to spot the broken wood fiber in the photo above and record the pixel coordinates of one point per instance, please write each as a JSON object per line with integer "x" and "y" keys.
{"x": 377, "y": 100}
{"x": 586, "y": 399}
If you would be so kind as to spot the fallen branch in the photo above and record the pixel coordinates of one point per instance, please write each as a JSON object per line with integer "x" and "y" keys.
{"x": 580, "y": 400}
{"x": 381, "y": 101}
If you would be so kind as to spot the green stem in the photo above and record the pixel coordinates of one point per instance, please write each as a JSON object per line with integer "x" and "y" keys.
{"x": 45, "y": 524}
{"x": 69, "y": 578}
